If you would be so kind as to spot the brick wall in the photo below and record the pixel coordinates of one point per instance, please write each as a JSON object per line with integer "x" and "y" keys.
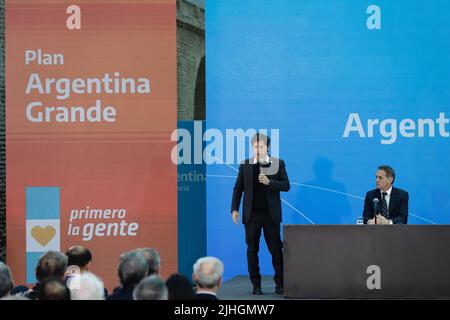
{"x": 190, "y": 51}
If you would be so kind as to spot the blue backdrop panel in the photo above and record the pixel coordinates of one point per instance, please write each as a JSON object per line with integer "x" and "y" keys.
{"x": 303, "y": 67}
{"x": 191, "y": 208}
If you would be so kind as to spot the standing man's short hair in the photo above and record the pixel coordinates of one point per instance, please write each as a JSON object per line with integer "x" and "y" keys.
{"x": 151, "y": 288}
{"x": 261, "y": 137}
{"x": 208, "y": 272}
{"x": 78, "y": 256}
{"x": 390, "y": 173}
{"x": 6, "y": 280}
{"x": 51, "y": 264}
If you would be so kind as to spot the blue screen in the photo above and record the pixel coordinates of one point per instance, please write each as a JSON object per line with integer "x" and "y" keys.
{"x": 350, "y": 85}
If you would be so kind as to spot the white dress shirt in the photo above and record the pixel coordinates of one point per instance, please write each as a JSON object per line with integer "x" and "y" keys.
{"x": 266, "y": 160}
{"x": 387, "y": 198}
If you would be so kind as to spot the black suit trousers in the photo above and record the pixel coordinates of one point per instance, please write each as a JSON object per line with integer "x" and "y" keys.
{"x": 261, "y": 221}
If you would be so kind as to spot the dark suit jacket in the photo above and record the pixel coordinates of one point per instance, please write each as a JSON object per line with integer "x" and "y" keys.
{"x": 122, "y": 294}
{"x": 279, "y": 181}
{"x": 398, "y": 205}
{"x": 205, "y": 296}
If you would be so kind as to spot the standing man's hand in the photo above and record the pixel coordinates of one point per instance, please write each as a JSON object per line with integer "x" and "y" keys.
{"x": 263, "y": 179}
{"x": 235, "y": 216}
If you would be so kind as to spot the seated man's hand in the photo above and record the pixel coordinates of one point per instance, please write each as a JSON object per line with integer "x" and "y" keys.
{"x": 382, "y": 220}
{"x": 371, "y": 221}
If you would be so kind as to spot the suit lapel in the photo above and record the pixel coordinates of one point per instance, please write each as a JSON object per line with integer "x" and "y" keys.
{"x": 379, "y": 195}
{"x": 392, "y": 200}
{"x": 250, "y": 174}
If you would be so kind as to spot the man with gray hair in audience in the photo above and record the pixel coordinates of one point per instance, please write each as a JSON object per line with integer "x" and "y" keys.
{"x": 132, "y": 269}
{"x": 153, "y": 260}
{"x": 87, "y": 286}
{"x": 208, "y": 272}
{"x": 151, "y": 288}
{"x": 6, "y": 280}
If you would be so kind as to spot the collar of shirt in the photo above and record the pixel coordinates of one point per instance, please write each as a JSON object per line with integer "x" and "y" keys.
{"x": 388, "y": 191}
{"x": 266, "y": 160}
{"x": 206, "y": 292}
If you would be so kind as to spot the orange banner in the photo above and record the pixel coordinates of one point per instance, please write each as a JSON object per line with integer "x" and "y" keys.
{"x": 91, "y": 105}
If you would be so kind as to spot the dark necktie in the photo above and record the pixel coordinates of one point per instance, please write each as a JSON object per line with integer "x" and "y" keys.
{"x": 384, "y": 207}
{"x": 264, "y": 164}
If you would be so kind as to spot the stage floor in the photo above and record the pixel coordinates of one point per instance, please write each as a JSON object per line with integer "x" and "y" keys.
{"x": 240, "y": 288}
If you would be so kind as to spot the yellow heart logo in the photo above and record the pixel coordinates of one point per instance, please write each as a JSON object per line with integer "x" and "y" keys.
{"x": 43, "y": 235}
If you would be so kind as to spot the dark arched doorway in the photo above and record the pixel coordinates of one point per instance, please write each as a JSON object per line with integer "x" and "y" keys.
{"x": 200, "y": 93}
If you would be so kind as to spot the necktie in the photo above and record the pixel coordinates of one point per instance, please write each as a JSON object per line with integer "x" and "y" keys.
{"x": 384, "y": 208}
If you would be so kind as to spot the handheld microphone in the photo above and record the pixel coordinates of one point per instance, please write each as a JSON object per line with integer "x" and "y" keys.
{"x": 263, "y": 167}
{"x": 375, "y": 208}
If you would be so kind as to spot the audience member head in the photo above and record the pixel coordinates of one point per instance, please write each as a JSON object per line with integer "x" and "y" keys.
{"x": 208, "y": 273}
{"x": 153, "y": 260}
{"x": 79, "y": 256}
{"x": 53, "y": 289}
{"x": 52, "y": 264}
{"x": 151, "y": 288}
{"x": 132, "y": 268}
{"x": 180, "y": 288}
{"x": 6, "y": 280}
{"x": 88, "y": 287}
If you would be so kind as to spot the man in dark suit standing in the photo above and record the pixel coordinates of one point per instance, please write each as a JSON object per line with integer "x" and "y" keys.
{"x": 261, "y": 179}
{"x": 392, "y": 205}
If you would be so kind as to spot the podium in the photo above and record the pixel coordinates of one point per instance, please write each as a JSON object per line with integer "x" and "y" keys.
{"x": 367, "y": 261}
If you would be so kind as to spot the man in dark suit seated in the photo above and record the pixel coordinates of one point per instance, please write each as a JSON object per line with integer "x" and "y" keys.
{"x": 392, "y": 205}
{"x": 207, "y": 275}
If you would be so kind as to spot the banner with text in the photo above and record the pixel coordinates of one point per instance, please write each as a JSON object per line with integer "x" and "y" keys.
{"x": 91, "y": 105}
